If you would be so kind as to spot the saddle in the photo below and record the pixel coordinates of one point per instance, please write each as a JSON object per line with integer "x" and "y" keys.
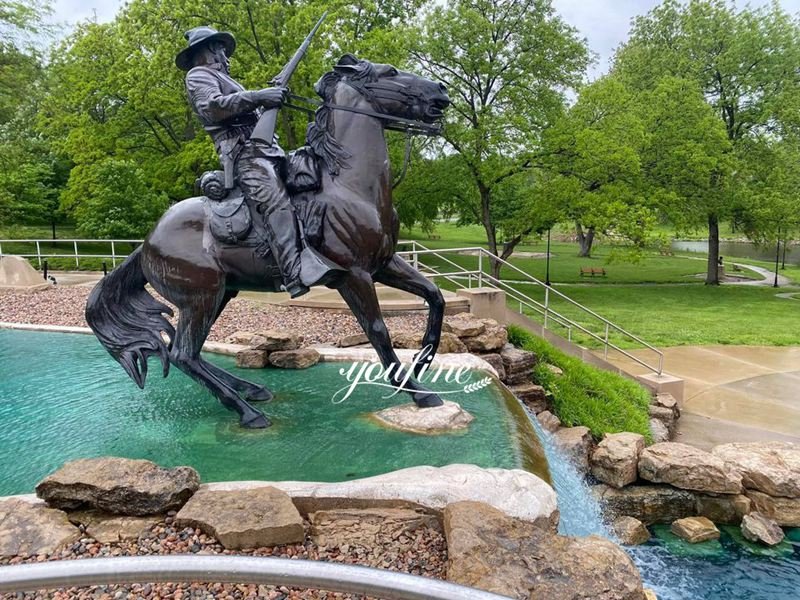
{"x": 229, "y": 214}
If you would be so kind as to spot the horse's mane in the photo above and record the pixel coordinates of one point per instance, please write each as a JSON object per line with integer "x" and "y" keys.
{"x": 320, "y": 133}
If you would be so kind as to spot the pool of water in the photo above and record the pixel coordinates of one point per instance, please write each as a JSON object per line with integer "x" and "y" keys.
{"x": 62, "y": 397}
{"x": 735, "y": 249}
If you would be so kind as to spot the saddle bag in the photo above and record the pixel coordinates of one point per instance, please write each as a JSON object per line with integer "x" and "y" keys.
{"x": 228, "y": 214}
{"x": 302, "y": 171}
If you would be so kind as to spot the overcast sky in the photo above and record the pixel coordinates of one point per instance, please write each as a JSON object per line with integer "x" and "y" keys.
{"x": 604, "y": 23}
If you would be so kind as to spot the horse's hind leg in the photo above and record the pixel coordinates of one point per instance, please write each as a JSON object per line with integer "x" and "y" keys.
{"x": 358, "y": 292}
{"x": 194, "y": 322}
{"x": 252, "y": 391}
{"x": 400, "y": 275}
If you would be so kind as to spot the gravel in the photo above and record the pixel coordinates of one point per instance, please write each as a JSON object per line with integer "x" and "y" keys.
{"x": 422, "y": 552}
{"x": 65, "y": 305}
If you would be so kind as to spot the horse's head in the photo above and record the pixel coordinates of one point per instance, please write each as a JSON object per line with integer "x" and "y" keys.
{"x": 390, "y": 91}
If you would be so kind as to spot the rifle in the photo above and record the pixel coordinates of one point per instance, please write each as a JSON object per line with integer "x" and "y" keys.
{"x": 264, "y": 130}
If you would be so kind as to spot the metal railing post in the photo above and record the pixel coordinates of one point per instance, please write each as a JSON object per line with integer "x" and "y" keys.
{"x": 77, "y": 260}
{"x": 113, "y": 255}
{"x": 1, "y": 249}
{"x": 546, "y": 305}
{"x": 480, "y": 269}
{"x": 605, "y": 346}
{"x": 38, "y": 254}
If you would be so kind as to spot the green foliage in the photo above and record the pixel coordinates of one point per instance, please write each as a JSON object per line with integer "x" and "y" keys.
{"x": 584, "y": 395}
{"x": 505, "y": 64}
{"x": 111, "y": 199}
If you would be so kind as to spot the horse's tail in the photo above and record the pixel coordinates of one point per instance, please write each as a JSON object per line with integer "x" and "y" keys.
{"x": 128, "y": 321}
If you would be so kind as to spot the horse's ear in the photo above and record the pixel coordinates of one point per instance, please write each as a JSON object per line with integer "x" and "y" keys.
{"x": 347, "y": 64}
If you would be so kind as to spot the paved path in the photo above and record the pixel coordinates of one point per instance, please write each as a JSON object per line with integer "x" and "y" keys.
{"x": 734, "y": 393}
{"x": 768, "y": 277}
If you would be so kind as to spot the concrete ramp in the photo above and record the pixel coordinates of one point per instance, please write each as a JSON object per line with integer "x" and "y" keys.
{"x": 17, "y": 274}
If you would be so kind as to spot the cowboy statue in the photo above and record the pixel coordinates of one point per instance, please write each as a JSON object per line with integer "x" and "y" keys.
{"x": 229, "y": 114}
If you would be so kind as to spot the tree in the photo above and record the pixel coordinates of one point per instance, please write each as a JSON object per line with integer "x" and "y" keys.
{"x": 593, "y": 155}
{"x": 506, "y": 64}
{"x": 742, "y": 61}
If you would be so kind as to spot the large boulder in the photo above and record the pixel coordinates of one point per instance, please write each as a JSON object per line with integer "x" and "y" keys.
{"x": 769, "y": 467}
{"x": 252, "y": 518}
{"x": 695, "y": 529}
{"x": 294, "y": 359}
{"x": 548, "y": 421}
{"x": 531, "y": 395}
{"x": 491, "y": 340}
{"x": 723, "y": 508}
{"x": 515, "y": 492}
{"x": 121, "y": 486}
{"x": 367, "y": 526}
{"x": 31, "y": 529}
{"x": 784, "y": 511}
{"x": 438, "y": 419}
{"x": 630, "y": 531}
{"x": 355, "y": 339}
{"x": 758, "y": 528}
{"x": 490, "y": 551}
{"x": 665, "y": 415}
{"x": 496, "y": 361}
{"x": 251, "y": 359}
{"x": 240, "y": 338}
{"x": 464, "y": 325}
{"x": 616, "y": 458}
{"x": 518, "y": 365}
{"x": 17, "y": 274}
{"x": 449, "y": 343}
{"x": 276, "y": 339}
{"x": 688, "y": 468}
{"x": 659, "y": 431}
{"x": 648, "y": 503}
{"x": 407, "y": 340}
{"x": 665, "y": 400}
{"x": 575, "y": 443}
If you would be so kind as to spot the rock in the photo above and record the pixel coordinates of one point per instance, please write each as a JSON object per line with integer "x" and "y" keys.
{"x": 557, "y": 371}
{"x": 490, "y": 551}
{"x": 758, "y": 528}
{"x": 649, "y": 594}
{"x": 518, "y": 365}
{"x": 294, "y": 359}
{"x": 251, "y": 359}
{"x": 110, "y": 529}
{"x": 239, "y": 519}
{"x": 531, "y": 395}
{"x": 665, "y": 400}
{"x": 449, "y": 343}
{"x": 659, "y": 431}
{"x": 784, "y": 511}
{"x": 490, "y": 340}
{"x": 242, "y": 338}
{"x": 665, "y": 415}
{"x": 695, "y": 529}
{"x": 575, "y": 443}
{"x": 616, "y": 458}
{"x": 407, "y": 340}
{"x": 630, "y": 531}
{"x": 276, "y": 339}
{"x": 517, "y": 493}
{"x": 497, "y": 362}
{"x": 648, "y": 503}
{"x": 439, "y": 419}
{"x": 31, "y": 529}
{"x": 366, "y": 526}
{"x": 688, "y": 468}
{"x": 352, "y": 340}
{"x": 464, "y": 325}
{"x": 725, "y": 509}
{"x": 120, "y": 486}
{"x": 549, "y": 421}
{"x": 769, "y": 467}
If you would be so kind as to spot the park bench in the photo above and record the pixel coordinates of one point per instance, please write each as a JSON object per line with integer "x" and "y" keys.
{"x": 593, "y": 271}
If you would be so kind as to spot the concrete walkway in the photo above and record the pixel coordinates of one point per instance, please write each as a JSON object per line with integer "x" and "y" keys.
{"x": 734, "y": 393}
{"x": 768, "y": 277}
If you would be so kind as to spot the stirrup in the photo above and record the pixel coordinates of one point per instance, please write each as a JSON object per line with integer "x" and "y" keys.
{"x": 295, "y": 289}
{"x": 316, "y": 269}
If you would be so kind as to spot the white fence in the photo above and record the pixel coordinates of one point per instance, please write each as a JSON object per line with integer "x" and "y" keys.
{"x": 42, "y": 250}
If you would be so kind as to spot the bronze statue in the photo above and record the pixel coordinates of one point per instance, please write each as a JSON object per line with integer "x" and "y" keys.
{"x": 205, "y": 249}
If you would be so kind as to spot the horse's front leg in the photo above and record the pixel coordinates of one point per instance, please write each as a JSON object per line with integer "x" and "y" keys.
{"x": 358, "y": 292}
{"x": 400, "y": 275}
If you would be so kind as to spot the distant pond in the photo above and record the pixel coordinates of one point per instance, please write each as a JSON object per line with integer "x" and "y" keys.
{"x": 740, "y": 250}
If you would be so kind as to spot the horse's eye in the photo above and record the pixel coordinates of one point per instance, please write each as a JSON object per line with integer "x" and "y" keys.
{"x": 392, "y": 72}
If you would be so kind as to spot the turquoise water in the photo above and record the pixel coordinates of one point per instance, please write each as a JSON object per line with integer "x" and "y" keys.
{"x": 62, "y": 397}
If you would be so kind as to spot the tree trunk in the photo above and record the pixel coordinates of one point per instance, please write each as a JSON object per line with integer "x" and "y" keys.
{"x": 585, "y": 241}
{"x": 53, "y": 225}
{"x": 712, "y": 274}
{"x": 488, "y": 226}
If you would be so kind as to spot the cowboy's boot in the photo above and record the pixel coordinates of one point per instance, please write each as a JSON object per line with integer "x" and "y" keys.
{"x": 284, "y": 241}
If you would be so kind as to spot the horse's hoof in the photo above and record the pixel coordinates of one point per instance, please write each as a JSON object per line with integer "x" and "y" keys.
{"x": 256, "y": 422}
{"x": 427, "y": 400}
{"x": 260, "y": 395}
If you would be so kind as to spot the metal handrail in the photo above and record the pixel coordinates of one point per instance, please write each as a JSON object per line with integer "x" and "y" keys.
{"x": 545, "y": 309}
{"x": 39, "y": 255}
{"x": 336, "y": 577}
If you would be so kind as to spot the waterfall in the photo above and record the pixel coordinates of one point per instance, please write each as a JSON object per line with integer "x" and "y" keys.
{"x": 581, "y": 515}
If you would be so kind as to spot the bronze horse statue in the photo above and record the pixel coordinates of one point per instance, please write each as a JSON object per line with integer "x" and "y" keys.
{"x": 350, "y": 220}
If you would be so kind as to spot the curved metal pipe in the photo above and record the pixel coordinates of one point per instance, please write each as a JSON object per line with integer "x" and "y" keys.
{"x": 336, "y": 577}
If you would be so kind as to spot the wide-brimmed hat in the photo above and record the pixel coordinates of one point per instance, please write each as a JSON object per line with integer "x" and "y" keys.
{"x": 199, "y": 37}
